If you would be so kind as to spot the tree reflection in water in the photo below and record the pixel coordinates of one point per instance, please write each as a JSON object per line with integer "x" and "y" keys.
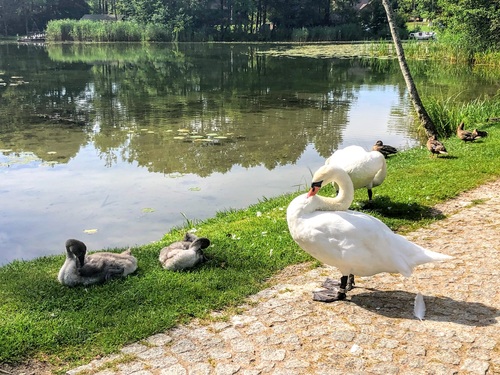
{"x": 124, "y": 138}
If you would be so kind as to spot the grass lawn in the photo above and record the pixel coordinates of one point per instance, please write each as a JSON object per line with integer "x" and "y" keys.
{"x": 39, "y": 318}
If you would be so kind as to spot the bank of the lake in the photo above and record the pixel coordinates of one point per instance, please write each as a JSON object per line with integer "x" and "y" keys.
{"x": 69, "y": 326}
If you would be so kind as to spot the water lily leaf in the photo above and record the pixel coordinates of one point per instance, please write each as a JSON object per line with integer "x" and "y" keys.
{"x": 195, "y": 189}
{"x": 179, "y": 137}
{"x": 144, "y": 129}
{"x": 183, "y": 130}
{"x": 51, "y": 152}
{"x": 196, "y": 136}
{"x": 90, "y": 231}
{"x": 175, "y": 175}
{"x": 148, "y": 209}
{"x": 220, "y": 137}
{"x": 151, "y": 132}
{"x": 211, "y": 134}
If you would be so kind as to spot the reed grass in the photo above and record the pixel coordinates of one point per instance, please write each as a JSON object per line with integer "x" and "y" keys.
{"x": 447, "y": 113}
{"x": 99, "y": 31}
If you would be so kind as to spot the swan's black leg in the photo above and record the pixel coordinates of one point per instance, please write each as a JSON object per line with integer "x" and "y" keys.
{"x": 343, "y": 287}
{"x": 350, "y": 282}
{"x": 370, "y": 194}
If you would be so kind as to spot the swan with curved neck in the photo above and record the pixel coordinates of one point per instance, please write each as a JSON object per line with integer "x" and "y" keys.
{"x": 365, "y": 168}
{"x": 354, "y": 242}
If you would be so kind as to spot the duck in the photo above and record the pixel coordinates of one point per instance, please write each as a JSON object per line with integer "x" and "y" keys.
{"x": 479, "y": 133}
{"x": 465, "y": 135}
{"x": 366, "y": 168}
{"x": 82, "y": 269}
{"x": 436, "y": 147}
{"x": 184, "y": 254}
{"x": 386, "y": 150}
{"x": 353, "y": 242}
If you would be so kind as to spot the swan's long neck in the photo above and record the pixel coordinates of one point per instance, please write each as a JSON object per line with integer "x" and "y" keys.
{"x": 346, "y": 191}
{"x": 343, "y": 199}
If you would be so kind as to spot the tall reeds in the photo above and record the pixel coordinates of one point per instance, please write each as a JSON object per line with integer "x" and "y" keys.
{"x": 449, "y": 112}
{"x": 99, "y": 31}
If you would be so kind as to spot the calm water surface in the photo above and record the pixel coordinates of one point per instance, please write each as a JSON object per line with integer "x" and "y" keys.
{"x": 116, "y": 144}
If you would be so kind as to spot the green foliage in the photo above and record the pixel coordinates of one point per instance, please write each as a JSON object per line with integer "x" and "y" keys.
{"x": 95, "y": 31}
{"x": 449, "y": 112}
{"x": 300, "y": 35}
{"x": 474, "y": 22}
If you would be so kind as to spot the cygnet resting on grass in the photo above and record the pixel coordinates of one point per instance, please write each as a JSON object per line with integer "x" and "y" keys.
{"x": 184, "y": 254}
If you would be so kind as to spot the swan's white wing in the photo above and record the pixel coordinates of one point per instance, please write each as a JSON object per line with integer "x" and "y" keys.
{"x": 362, "y": 166}
{"x": 353, "y": 242}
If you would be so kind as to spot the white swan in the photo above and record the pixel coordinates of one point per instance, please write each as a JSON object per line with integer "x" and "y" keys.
{"x": 184, "y": 254}
{"x": 355, "y": 243}
{"x": 80, "y": 269}
{"x": 366, "y": 168}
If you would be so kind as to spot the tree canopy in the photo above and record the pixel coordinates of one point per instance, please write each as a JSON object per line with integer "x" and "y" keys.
{"x": 473, "y": 23}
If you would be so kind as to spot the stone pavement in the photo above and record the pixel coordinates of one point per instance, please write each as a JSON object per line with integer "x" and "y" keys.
{"x": 281, "y": 330}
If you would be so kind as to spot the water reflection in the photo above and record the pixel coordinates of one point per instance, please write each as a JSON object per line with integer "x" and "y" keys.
{"x": 127, "y": 139}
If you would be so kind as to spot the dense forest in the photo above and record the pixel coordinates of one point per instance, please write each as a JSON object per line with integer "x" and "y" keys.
{"x": 476, "y": 22}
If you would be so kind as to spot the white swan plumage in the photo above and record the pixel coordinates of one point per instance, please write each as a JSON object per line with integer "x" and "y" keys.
{"x": 366, "y": 168}
{"x": 82, "y": 269}
{"x": 354, "y": 242}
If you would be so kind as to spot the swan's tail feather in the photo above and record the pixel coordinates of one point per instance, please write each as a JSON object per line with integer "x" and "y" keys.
{"x": 432, "y": 256}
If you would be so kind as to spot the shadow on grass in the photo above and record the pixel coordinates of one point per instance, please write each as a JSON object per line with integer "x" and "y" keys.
{"x": 399, "y": 304}
{"x": 383, "y": 206}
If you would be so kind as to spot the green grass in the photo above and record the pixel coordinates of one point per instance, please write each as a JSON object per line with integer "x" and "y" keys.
{"x": 39, "y": 318}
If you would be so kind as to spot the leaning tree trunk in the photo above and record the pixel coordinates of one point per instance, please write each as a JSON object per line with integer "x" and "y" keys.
{"x": 423, "y": 116}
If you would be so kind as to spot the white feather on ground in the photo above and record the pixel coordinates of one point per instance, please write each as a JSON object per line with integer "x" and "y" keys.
{"x": 419, "y": 309}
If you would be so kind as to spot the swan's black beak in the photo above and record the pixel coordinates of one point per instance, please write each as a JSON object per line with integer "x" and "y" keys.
{"x": 315, "y": 186}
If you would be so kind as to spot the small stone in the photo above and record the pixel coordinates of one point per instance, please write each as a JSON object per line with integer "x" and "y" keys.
{"x": 174, "y": 370}
{"x": 475, "y": 367}
{"x": 226, "y": 369}
{"x": 273, "y": 354}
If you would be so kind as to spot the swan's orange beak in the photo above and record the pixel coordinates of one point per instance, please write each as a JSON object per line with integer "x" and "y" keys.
{"x": 312, "y": 192}
{"x": 315, "y": 186}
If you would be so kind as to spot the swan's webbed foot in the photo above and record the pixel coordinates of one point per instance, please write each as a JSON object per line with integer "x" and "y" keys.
{"x": 328, "y": 295}
{"x": 334, "y": 290}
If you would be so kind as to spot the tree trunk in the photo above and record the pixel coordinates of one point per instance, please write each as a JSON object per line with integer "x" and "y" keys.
{"x": 423, "y": 116}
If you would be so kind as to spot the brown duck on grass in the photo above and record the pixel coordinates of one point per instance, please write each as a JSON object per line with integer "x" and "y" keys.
{"x": 385, "y": 150}
{"x": 479, "y": 133}
{"x": 466, "y": 135}
{"x": 436, "y": 147}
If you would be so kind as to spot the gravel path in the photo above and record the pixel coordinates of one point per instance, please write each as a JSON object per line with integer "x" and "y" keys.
{"x": 281, "y": 330}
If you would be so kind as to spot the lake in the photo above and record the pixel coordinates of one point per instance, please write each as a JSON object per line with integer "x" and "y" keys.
{"x": 117, "y": 144}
